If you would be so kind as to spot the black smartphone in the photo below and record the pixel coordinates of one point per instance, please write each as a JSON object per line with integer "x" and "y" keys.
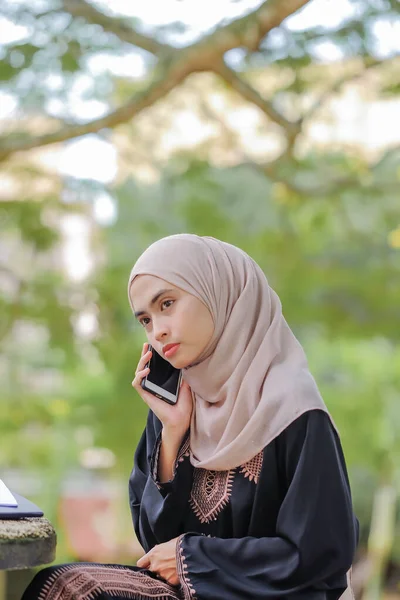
{"x": 164, "y": 380}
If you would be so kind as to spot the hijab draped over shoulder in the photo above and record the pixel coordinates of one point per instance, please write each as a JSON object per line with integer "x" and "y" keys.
{"x": 252, "y": 380}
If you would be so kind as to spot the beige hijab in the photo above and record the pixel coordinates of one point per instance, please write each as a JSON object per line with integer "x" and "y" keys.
{"x": 252, "y": 380}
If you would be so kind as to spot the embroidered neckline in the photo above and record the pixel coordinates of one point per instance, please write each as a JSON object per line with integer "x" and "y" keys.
{"x": 211, "y": 491}
{"x": 252, "y": 468}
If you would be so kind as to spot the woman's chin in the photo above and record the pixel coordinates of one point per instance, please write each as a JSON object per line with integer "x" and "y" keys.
{"x": 182, "y": 359}
{"x": 180, "y": 363}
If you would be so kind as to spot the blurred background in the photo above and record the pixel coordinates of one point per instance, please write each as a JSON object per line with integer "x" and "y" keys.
{"x": 272, "y": 125}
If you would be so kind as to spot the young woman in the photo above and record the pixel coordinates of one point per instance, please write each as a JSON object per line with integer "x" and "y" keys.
{"x": 240, "y": 490}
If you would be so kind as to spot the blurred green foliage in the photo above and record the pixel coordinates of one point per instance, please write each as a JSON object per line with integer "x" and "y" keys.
{"x": 332, "y": 255}
{"x": 338, "y": 280}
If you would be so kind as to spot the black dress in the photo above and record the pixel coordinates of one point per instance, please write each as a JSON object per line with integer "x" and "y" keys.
{"x": 280, "y": 526}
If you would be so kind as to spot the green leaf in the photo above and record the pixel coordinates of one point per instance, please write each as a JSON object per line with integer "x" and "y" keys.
{"x": 28, "y": 50}
{"x": 7, "y": 71}
{"x": 69, "y": 62}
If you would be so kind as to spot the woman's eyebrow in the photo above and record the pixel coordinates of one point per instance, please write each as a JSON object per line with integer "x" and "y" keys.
{"x": 139, "y": 313}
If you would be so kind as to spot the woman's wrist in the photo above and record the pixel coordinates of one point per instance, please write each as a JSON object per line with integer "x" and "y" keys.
{"x": 171, "y": 441}
{"x": 173, "y": 436}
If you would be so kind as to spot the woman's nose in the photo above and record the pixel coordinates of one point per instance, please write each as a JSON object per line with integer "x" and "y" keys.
{"x": 160, "y": 331}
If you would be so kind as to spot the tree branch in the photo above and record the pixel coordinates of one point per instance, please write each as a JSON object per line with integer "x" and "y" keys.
{"x": 249, "y": 31}
{"x": 170, "y": 78}
{"x": 251, "y": 94}
{"x": 117, "y": 26}
{"x": 268, "y": 169}
{"x": 245, "y": 32}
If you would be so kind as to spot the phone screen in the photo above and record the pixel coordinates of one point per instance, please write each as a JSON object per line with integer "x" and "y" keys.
{"x": 163, "y": 379}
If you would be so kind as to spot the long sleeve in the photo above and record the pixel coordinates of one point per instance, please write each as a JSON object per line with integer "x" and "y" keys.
{"x": 315, "y": 537}
{"x": 157, "y": 509}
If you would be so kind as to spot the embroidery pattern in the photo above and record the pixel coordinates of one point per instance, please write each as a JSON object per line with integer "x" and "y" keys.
{"x": 183, "y": 452}
{"x": 85, "y": 582}
{"x": 187, "y": 589}
{"x": 252, "y": 468}
{"x": 156, "y": 456}
{"x": 211, "y": 491}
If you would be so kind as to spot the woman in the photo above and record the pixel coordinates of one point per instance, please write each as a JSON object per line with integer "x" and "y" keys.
{"x": 240, "y": 490}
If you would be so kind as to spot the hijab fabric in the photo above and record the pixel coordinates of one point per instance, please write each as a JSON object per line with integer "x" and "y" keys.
{"x": 252, "y": 380}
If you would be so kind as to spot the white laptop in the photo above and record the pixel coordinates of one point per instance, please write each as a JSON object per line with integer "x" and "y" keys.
{"x": 14, "y": 506}
{"x": 6, "y": 497}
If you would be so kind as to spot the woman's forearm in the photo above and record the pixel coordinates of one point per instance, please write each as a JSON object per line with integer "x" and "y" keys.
{"x": 170, "y": 444}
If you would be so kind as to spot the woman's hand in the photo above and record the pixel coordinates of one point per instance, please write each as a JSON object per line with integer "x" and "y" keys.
{"x": 175, "y": 418}
{"x": 162, "y": 560}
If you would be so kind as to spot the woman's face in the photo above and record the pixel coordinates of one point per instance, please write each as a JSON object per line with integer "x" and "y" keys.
{"x": 177, "y": 324}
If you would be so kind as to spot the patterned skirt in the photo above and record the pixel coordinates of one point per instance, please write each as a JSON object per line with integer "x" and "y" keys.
{"x": 89, "y": 581}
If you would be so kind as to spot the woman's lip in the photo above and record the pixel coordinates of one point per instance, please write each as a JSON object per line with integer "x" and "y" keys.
{"x": 171, "y": 350}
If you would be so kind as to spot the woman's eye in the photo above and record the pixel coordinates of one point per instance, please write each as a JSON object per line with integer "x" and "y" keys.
{"x": 167, "y": 303}
{"x": 145, "y": 321}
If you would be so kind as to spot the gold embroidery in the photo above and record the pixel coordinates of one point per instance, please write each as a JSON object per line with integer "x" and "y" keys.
{"x": 85, "y": 582}
{"x": 186, "y": 587}
{"x": 183, "y": 452}
{"x": 252, "y": 468}
{"x": 211, "y": 491}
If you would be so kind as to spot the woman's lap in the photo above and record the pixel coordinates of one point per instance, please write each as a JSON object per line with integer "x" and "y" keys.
{"x": 91, "y": 581}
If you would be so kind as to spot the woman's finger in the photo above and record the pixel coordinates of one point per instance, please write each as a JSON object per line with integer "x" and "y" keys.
{"x": 145, "y": 349}
{"x": 138, "y": 378}
{"x": 144, "y": 562}
{"x": 143, "y": 361}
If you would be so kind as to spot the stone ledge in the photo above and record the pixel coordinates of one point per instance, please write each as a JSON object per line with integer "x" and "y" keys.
{"x": 26, "y": 543}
